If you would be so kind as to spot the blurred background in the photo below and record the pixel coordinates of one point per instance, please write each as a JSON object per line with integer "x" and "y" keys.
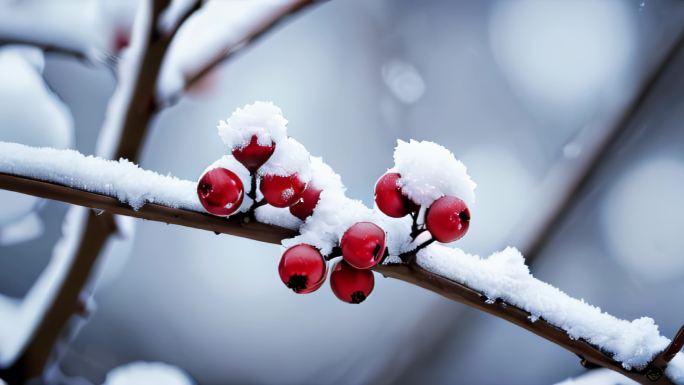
{"x": 523, "y": 92}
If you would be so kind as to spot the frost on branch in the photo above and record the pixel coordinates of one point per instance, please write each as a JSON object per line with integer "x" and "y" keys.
{"x": 505, "y": 276}
{"x": 121, "y": 179}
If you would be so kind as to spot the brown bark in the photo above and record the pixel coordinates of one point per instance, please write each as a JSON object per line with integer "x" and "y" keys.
{"x": 410, "y": 272}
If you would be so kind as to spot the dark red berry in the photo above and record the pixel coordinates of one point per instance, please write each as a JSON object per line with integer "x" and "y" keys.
{"x": 448, "y": 219}
{"x": 220, "y": 191}
{"x": 253, "y": 155}
{"x": 390, "y": 199}
{"x": 302, "y": 268}
{"x": 363, "y": 245}
{"x": 350, "y": 284}
{"x": 282, "y": 191}
{"x": 306, "y": 204}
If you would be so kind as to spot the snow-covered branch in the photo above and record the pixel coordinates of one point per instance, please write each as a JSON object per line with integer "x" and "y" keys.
{"x": 197, "y": 51}
{"x": 500, "y": 285}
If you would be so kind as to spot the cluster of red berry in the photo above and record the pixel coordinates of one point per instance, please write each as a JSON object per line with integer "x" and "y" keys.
{"x": 221, "y": 191}
{"x": 362, "y": 246}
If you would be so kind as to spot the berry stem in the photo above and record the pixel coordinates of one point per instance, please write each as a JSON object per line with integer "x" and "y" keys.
{"x": 409, "y": 257}
{"x": 252, "y": 189}
{"x": 416, "y": 230}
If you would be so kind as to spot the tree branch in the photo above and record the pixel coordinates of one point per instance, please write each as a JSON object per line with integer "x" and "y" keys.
{"x": 575, "y": 186}
{"x": 409, "y": 272}
{"x": 248, "y": 39}
{"x": 138, "y": 112}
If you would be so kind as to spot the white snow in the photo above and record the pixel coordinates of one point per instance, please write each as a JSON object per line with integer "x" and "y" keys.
{"x": 289, "y": 157}
{"x": 429, "y": 171}
{"x": 263, "y": 119}
{"x": 333, "y": 214}
{"x": 277, "y": 216}
{"x": 147, "y": 373}
{"x": 23, "y": 85}
{"x": 323, "y": 177}
{"x": 170, "y": 17}
{"x": 195, "y": 45}
{"x": 127, "y": 74}
{"x": 25, "y": 229}
{"x": 120, "y": 179}
{"x": 72, "y": 25}
{"x": 20, "y": 318}
{"x": 675, "y": 369}
{"x": 599, "y": 377}
{"x": 505, "y": 276}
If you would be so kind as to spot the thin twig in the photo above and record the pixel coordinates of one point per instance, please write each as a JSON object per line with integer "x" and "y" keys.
{"x": 229, "y": 51}
{"x": 409, "y": 272}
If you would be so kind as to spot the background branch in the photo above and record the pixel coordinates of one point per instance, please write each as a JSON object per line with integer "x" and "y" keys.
{"x": 138, "y": 112}
{"x": 410, "y": 272}
{"x": 260, "y": 30}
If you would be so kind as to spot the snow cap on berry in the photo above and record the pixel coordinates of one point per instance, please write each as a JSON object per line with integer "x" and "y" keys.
{"x": 429, "y": 171}
{"x": 263, "y": 119}
{"x": 230, "y": 163}
{"x": 289, "y": 157}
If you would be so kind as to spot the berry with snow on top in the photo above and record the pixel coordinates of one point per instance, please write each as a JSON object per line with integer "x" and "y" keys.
{"x": 363, "y": 245}
{"x": 307, "y": 203}
{"x": 448, "y": 219}
{"x": 389, "y": 198}
{"x": 253, "y": 155}
{"x": 282, "y": 191}
{"x": 261, "y": 119}
{"x": 302, "y": 268}
{"x": 430, "y": 171}
{"x": 350, "y": 284}
{"x": 220, "y": 191}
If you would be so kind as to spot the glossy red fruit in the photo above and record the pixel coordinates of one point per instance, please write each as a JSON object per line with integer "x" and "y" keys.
{"x": 448, "y": 219}
{"x": 390, "y": 199}
{"x": 282, "y": 191}
{"x": 302, "y": 268}
{"x": 220, "y": 191}
{"x": 306, "y": 204}
{"x": 363, "y": 245}
{"x": 253, "y": 155}
{"x": 350, "y": 284}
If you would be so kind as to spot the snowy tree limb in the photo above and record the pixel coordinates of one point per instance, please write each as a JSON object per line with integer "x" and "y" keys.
{"x": 132, "y": 117}
{"x": 409, "y": 272}
{"x": 251, "y": 36}
{"x": 46, "y": 47}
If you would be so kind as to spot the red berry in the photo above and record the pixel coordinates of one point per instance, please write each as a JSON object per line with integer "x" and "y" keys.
{"x": 363, "y": 245}
{"x": 253, "y": 155}
{"x": 390, "y": 199}
{"x": 220, "y": 191}
{"x": 302, "y": 268}
{"x": 306, "y": 204}
{"x": 448, "y": 219}
{"x": 350, "y": 284}
{"x": 282, "y": 191}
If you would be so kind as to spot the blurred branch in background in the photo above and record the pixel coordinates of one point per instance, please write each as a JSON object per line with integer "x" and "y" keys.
{"x": 131, "y": 111}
